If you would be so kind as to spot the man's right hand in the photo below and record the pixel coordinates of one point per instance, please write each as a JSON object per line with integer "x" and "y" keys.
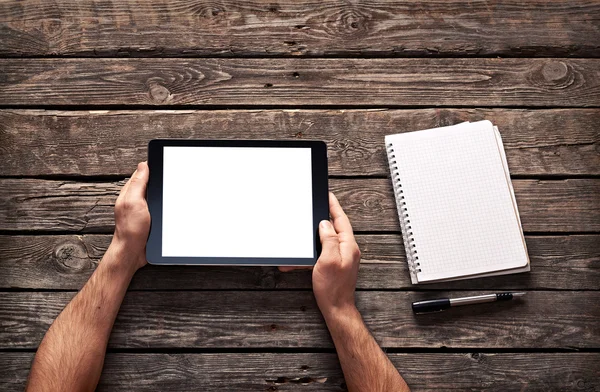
{"x": 334, "y": 275}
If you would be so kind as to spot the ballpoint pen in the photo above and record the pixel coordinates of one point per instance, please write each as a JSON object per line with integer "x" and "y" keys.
{"x": 437, "y": 305}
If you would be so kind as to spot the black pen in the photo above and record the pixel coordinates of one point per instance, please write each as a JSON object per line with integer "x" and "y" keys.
{"x": 437, "y": 305}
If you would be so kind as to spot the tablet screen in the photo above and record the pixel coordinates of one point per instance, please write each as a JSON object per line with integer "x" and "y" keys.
{"x": 237, "y": 202}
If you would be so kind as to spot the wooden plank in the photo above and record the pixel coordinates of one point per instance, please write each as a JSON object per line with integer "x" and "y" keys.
{"x": 263, "y": 319}
{"x": 76, "y": 143}
{"x": 321, "y": 371}
{"x": 299, "y": 28}
{"x": 66, "y": 262}
{"x": 545, "y": 206}
{"x": 296, "y": 82}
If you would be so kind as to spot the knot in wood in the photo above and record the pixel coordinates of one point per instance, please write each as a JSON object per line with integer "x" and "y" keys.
{"x": 555, "y": 70}
{"x": 159, "y": 93}
{"x": 52, "y": 26}
{"x": 341, "y": 144}
{"x": 554, "y": 75}
{"x": 355, "y": 21}
{"x": 70, "y": 256}
{"x": 349, "y": 22}
{"x": 373, "y": 204}
{"x": 446, "y": 118}
{"x": 64, "y": 251}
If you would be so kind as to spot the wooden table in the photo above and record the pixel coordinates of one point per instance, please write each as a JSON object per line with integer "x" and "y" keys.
{"x": 85, "y": 84}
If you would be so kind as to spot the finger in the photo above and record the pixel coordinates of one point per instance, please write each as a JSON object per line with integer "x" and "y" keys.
{"x": 340, "y": 220}
{"x": 138, "y": 182}
{"x": 293, "y": 268}
{"x": 330, "y": 242}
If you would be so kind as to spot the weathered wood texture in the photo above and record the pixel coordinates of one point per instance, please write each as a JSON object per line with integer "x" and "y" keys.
{"x": 297, "y": 28}
{"x": 82, "y": 143}
{"x": 66, "y": 262}
{"x": 171, "y": 309}
{"x": 297, "y": 82}
{"x": 571, "y": 205}
{"x": 222, "y": 319}
{"x": 321, "y": 372}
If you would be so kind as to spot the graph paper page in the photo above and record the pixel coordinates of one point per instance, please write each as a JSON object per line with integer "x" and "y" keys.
{"x": 459, "y": 201}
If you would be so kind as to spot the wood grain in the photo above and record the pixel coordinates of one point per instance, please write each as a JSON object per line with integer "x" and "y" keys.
{"x": 298, "y": 82}
{"x": 253, "y": 319}
{"x": 299, "y": 28}
{"x": 321, "y": 372}
{"x": 380, "y": 55}
{"x": 569, "y": 205}
{"x": 82, "y": 143}
{"x": 66, "y": 262}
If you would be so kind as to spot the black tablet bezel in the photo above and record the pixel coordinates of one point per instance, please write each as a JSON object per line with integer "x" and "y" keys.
{"x": 154, "y": 194}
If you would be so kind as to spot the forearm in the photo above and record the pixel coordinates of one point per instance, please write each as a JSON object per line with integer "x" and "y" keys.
{"x": 71, "y": 354}
{"x": 365, "y": 365}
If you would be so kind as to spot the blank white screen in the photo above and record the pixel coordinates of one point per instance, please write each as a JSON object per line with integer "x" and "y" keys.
{"x": 237, "y": 202}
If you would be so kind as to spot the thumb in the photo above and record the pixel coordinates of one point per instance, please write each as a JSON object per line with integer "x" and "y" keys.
{"x": 330, "y": 241}
{"x": 139, "y": 180}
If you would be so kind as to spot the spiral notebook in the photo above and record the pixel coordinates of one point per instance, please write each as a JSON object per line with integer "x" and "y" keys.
{"x": 457, "y": 209}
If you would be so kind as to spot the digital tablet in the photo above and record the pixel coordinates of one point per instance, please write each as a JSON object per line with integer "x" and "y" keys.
{"x": 236, "y": 202}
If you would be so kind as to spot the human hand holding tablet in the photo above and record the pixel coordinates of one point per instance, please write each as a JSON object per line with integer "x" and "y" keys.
{"x": 219, "y": 202}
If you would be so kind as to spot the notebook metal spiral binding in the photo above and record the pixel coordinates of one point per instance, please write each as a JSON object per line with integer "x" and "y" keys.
{"x": 405, "y": 226}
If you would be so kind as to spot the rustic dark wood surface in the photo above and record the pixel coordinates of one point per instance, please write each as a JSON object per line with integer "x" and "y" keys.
{"x": 570, "y": 205}
{"x": 300, "y": 82}
{"x": 75, "y": 118}
{"x": 184, "y": 319}
{"x": 299, "y": 28}
{"x": 562, "y": 262}
{"x": 554, "y": 142}
{"x": 311, "y": 372}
